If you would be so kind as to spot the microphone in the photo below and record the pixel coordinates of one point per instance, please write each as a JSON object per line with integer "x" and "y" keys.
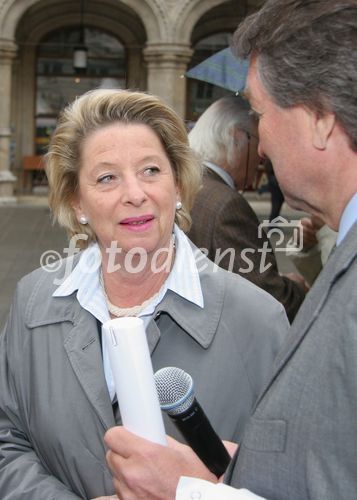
{"x": 175, "y": 390}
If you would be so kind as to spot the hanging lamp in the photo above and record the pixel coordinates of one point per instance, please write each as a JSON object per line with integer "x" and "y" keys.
{"x": 80, "y": 51}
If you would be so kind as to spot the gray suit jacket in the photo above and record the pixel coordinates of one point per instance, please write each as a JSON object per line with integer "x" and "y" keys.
{"x": 54, "y": 402}
{"x": 301, "y": 442}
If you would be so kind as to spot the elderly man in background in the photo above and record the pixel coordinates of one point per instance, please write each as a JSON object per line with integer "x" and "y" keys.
{"x": 300, "y": 442}
{"x": 223, "y": 222}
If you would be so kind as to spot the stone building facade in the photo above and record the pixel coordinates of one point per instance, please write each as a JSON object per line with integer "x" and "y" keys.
{"x": 151, "y": 43}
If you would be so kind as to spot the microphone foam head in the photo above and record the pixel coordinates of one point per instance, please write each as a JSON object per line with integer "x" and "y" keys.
{"x": 175, "y": 390}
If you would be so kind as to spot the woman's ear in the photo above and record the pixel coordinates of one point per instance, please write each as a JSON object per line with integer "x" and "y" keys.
{"x": 75, "y": 204}
{"x": 322, "y": 127}
{"x": 178, "y": 192}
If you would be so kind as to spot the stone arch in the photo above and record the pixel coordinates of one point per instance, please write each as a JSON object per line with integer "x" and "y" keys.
{"x": 193, "y": 11}
{"x": 114, "y": 27}
{"x": 11, "y": 11}
{"x": 153, "y": 16}
{"x": 115, "y": 18}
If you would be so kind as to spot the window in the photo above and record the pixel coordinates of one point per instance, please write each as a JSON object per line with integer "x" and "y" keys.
{"x": 57, "y": 84}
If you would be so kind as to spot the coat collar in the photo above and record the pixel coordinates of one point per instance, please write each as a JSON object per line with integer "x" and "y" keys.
{"x": 201, "y": 323}
{"x": 219, "y": 173}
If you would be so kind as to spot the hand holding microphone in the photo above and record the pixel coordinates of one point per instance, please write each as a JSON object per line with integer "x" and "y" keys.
{"x": 138, "y": 397}
{"x": 176, "y": 396}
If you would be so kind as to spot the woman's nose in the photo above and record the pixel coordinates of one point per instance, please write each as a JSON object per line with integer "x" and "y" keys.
{"x": 133, "y": 192}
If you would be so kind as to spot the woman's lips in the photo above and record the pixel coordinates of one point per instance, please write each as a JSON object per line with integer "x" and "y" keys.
{"x": 137, "y": 223}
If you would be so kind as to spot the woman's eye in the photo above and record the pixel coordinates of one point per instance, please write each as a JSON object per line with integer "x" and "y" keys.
{"x": 149, "y": 171}
{"x": 104, "y": 179}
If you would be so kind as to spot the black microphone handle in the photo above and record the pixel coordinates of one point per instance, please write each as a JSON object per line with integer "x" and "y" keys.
{"x": 200, "y": 435}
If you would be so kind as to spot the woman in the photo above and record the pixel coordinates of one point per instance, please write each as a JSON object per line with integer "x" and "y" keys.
{"x": 122, "y": 181}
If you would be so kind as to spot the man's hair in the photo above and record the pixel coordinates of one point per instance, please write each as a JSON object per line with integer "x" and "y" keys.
{"x": 97, "y": 109}
{"x": 306, "y": 55}
{"x": 212, "y": 137}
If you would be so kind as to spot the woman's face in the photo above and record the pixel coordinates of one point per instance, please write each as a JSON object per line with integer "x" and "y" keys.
{"x": 127, "y": 189}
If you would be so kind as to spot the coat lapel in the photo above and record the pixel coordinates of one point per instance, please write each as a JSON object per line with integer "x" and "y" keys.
{"x": 84, "y": 352}
{"x": 80, "y": 341}
{"x": 310, "y": 309}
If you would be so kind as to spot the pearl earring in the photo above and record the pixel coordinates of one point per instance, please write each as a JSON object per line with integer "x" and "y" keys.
{"x": 178, "y": 205}
{"x": 83, "y": 220}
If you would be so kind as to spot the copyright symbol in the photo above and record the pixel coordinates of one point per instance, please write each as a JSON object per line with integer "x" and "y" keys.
{"x": 51, "y": 261}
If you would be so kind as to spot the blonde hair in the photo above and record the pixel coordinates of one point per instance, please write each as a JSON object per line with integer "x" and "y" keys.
{"x": 99, "y": 108}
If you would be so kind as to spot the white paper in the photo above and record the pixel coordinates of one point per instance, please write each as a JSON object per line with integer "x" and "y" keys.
{"x": 130, "y": 362}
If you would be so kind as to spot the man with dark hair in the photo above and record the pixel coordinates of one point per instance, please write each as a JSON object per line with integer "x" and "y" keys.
{"x": 300, "y": 442}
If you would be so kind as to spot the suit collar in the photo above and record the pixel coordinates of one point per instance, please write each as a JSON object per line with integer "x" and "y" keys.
{"x": 348, "y": 218}
{"x": 219, "y": 173}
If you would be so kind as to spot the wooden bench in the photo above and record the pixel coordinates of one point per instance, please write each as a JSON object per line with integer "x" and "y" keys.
{"x": 30, "y": 165}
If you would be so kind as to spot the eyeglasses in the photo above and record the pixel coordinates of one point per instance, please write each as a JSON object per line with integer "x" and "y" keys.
{"x": 249, "y": 136}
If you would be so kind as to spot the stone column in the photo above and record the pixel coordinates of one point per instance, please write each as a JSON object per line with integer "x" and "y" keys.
{"x": 136, "y": 72}
{"x": 166, "y": 64}
{"x": 7, "y": 179}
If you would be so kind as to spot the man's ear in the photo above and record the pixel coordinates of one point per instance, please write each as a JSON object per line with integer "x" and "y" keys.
{"x": 322, "y": 127}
